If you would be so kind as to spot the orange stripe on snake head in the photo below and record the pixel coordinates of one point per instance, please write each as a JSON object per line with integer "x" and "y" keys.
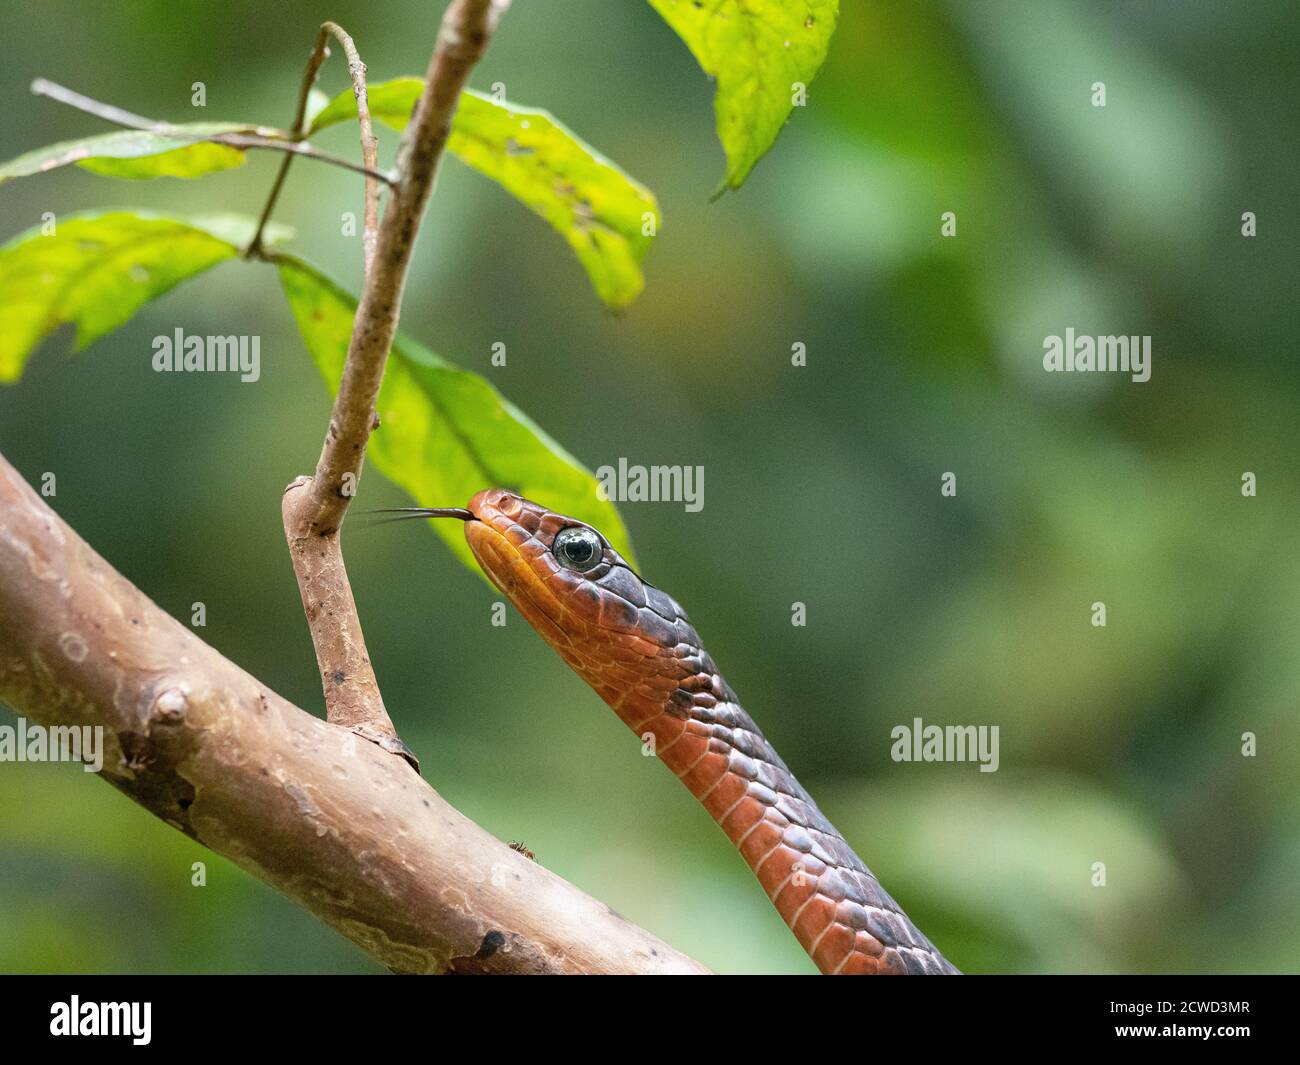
{"x": 590, "y": 615}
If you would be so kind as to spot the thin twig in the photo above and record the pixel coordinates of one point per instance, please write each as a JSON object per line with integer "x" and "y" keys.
{"x": 315, "y": 60}
{"x": 466, "y": 29}
{"x": 313, "y": 508}
{"x": 109, "y": 113}
{"x": 369, "y": 142}
{"x": 241, "y": 140}
{"x": 272, "y": 140}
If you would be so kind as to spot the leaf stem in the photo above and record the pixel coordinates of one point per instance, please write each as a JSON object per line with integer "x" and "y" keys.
{"x": 277, "y": 143}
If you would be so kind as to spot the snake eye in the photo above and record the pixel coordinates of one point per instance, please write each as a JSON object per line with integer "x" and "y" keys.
{"x": 577, "y": 548}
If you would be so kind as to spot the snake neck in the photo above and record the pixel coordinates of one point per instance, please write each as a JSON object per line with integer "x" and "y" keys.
{"x": 636, "y": 648}
{"x": 830, "y": 900}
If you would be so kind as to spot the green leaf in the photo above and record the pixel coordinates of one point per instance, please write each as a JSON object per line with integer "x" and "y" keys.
{"x": 757, "y": 50}
{"x": 445, "y": 433}
{"x": 133, "y": 153}
{"x": 190, "y": 162}
{"x": 602, "y": 212}
{"x": 390, "y": 102}
{"x": 96, "y": 270}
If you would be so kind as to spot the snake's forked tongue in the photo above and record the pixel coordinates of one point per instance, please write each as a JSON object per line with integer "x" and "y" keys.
{"x": 403, "y": 513}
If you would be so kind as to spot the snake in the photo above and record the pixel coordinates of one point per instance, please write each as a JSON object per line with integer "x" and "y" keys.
{"x": 636, "y": 648}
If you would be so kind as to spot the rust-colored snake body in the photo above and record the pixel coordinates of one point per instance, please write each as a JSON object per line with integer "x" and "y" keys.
{"x": 635, "y": 647}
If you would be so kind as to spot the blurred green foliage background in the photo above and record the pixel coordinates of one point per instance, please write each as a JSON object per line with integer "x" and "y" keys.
{"x": 1119, "y": 745}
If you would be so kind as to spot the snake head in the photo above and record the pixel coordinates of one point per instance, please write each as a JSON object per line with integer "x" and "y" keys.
{"x": 570, "y": 584}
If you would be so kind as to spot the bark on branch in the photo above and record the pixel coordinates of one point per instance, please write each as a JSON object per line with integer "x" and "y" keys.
{"x": 317, "y": 812}
{"x": 323, "y": 816}
{"x": 314, "y": 508}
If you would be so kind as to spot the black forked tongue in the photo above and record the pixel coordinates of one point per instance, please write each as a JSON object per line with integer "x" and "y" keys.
{"x": 405, "y": 513}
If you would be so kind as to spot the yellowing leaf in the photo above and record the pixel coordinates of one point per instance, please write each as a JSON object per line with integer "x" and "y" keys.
{"x": 760, "y": 52}
{"x": 97, "y": 270}
{"x": 173, "y": 151}
{"x": 445, "y": 433}
{"x": 608, "y": 218}
{"x": 190, "y": 162}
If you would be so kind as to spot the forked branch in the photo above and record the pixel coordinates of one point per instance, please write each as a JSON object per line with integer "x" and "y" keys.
{"x": 314, "y": 507}
{"x": 312, "y": 810}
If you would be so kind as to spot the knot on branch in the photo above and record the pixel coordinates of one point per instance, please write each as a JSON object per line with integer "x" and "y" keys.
{"x": 171, "y": 705}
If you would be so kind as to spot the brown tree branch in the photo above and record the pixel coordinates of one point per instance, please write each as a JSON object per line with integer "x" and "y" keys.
{"x": 322, "y": 816}
{"x": 313, "y": 508}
